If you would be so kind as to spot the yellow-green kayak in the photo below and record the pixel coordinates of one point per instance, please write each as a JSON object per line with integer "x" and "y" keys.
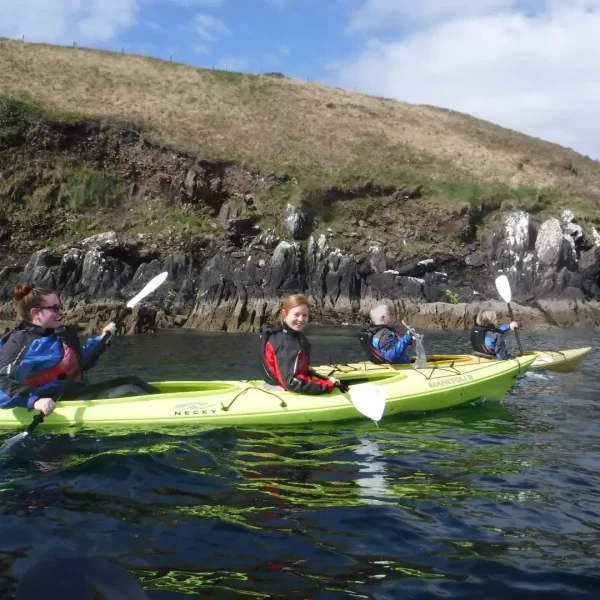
{"x": 563, "y": 361}
{"x": 252, "y": 403}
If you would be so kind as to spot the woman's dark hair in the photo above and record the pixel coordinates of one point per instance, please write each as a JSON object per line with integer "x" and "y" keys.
{"x": 26, "y": 297}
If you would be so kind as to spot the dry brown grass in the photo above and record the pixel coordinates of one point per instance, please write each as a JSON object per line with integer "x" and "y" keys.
{"x": 287, "y": 125}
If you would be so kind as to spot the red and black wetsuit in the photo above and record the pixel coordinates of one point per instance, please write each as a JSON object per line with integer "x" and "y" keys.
{"x": 286, "y": 362}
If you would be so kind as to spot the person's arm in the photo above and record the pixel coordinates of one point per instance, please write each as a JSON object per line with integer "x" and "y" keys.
{"x": 89, "y": 348}
{"x": 91, "y": 351}
{"x": 22, "y": 399}
{"x": 297, "y": 377}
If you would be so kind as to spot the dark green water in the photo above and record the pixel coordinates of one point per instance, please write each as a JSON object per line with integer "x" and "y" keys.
{"x": 486, "y": 501}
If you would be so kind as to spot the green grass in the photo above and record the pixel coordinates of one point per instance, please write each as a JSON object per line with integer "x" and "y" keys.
{"x": 159, "y": 219}
{"x": 21, "y": 110}
{"x": 450, "y": 297}
{"x": 187, "y": 224}
{"x": 15, "y": 111}
{"x": 88, "y": 188}
{"x": 81, "y": 225}
{"x": 15, "y": 117}
{"x": 229, "y": 76}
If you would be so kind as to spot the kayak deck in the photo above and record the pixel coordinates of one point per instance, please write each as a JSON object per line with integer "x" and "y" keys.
{"x": 251, "y": 403}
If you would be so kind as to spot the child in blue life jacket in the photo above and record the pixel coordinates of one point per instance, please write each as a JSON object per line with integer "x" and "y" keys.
{"x": 488, "y": 338}
{"x": 381, "y": 342}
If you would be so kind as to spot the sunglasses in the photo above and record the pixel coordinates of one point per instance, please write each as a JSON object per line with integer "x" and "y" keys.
{"x": 55, "y": 307}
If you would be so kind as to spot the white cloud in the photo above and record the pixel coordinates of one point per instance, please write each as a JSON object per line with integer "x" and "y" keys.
{"x": 87, "y": 21}
{"x": 65, "y": 21}
{"x": 388, "y": 14}
{"x": 209, "y": 28}
{"x": 536, "y": 71}
{"x": 380, "y": 14}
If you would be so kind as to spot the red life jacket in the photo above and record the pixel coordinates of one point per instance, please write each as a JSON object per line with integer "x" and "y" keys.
{"x": 289, "y": 365}
{"x": 66, "y": 367}
{"x": 15, "y": 344}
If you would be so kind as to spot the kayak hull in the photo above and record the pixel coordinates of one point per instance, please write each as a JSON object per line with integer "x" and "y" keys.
{"x": 251, "y": 403}
{"x": 561, "y": 361}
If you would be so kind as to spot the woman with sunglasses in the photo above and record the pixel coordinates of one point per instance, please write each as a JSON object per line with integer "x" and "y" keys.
{"x": 39, "y": 355}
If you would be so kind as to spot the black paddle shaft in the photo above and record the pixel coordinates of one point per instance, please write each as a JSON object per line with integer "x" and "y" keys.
{"x": 510, "y": 314}
{"x": 39, "y": 418}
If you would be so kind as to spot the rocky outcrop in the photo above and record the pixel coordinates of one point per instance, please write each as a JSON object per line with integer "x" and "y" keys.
{"x": 241, "y": 289}
{"x": 294, "y": 220}
{"x": 556, "y": 258}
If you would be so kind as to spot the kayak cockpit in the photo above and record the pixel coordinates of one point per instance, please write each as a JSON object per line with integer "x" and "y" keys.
{"x": 197, "y": 387}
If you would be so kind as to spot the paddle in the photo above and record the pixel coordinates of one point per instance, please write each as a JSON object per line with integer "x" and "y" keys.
{"x": 369, "y": 400}
{"x": 421, "y": 358}
{"x": 150, "y": 287}
{"x": 503, "y": 287}
{"x": 79, "y": 579}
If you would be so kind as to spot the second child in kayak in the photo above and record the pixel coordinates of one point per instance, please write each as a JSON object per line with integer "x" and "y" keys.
{"x": 285, "y": 356}
{"x": 488, "y": 338}
{"x": 381, "y": 342}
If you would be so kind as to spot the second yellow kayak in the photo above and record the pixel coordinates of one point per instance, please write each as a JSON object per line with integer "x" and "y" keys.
{"x": 562, "y": 361}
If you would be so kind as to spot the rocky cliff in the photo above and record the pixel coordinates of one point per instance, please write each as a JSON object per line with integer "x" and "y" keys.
{"x": 216, "y": 285}
{"x": 95, "y": 209}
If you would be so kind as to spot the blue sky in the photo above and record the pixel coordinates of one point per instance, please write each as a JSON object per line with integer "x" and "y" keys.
{"x": 298, "y": 38}
{"x": 530, "y": 65}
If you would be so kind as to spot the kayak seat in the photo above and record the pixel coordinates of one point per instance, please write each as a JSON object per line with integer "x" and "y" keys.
{"x": 120, "y": 387}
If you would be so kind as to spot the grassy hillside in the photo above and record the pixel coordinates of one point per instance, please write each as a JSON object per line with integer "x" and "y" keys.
{"x": 323, "y": 136}
{"x": 280, "y": 123}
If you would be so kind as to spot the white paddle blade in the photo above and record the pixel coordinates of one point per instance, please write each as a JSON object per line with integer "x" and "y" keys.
{"x": 421, "y": 358}
{"x": 503, "y": 287}
{"x": 368, "y": 399}
{"x": 152, "y": 285}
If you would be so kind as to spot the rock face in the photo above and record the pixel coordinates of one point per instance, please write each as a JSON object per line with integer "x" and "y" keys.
{"x": 429, "y": 260}
{"x": 294, "y": 221}
{"x": 241, "y": 289}
{"x": 556, "y": 257}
